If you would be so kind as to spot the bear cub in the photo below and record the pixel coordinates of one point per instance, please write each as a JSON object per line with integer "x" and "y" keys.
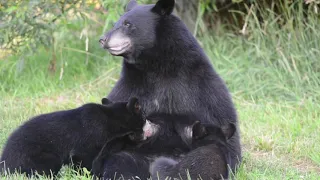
{"x": 159, "y": 138}
{"x": 46, "y": 142}
{"x": 172, "y": 143}
{"x": 203, "y": 139}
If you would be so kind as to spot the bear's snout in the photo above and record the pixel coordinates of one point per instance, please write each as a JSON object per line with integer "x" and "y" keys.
{"x": 116, "y": 42}
{"x": 103, "y": 41}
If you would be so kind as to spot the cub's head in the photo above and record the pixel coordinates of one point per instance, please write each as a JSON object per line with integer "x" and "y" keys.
{"x": 125, "y": 115}
{"x": 207, "y": 133}
{"x": 136, "y": 30}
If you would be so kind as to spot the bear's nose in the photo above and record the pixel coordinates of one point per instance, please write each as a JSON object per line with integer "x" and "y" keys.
{"x": 102, "y": 41}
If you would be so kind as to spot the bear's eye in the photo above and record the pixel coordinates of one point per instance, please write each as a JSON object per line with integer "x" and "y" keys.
{"x": 126, "y": 23}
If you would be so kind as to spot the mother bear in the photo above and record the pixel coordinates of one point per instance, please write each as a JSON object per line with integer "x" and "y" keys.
{"x": 165, "y": 67}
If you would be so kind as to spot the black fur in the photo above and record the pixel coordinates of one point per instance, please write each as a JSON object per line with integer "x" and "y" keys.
{"x": 128, "y": 160}
{"x": 46, "y": 142}
{"x": 176, "y": 136}
{"x": 197, "y": 163}
{"x": 167, "y": 140}
{"x": 165, "y": 67}
{"x": 111, "y": 151}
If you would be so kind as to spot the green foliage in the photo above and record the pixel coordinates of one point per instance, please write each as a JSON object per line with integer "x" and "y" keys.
{"x": 28, "y": 24}
{"x": 271, "y": 68}
{"x": 115, "y": 9}
{"x": 286, "y": 57}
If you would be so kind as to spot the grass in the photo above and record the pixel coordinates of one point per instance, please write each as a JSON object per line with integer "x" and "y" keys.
{"x": 273, "y": 75}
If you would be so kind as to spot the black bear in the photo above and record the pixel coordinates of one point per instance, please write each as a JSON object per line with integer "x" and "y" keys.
{"x": 114, "y": 148}
{"x": 158, "y": 138}
{"x": 197, "y": 164}
{"x": 168, "y": 136}
{"x": 46, "y": 142}
{"x": 165, "y": 67}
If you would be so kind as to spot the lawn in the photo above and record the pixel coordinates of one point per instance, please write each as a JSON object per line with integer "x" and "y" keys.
{"x": 274, "y": 79}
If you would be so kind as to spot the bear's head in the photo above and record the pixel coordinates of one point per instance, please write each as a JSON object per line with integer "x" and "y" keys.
{"x": 211, "y": 133}
{"x": 125, "y": 115}
{"x": 194, "y": 130}
{"x": 137, "y": 30}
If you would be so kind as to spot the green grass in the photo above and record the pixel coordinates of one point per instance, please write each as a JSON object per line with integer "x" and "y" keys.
{"x": 273, "y": 75}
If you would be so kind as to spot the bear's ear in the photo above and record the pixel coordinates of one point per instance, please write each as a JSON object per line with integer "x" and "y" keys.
{"x": 133, "y": 105}
{"x": 105, "y": 101}
{"x": 228, "y": 130}
{"x": 131, "y": 5}
{"x": 164, "y": 7}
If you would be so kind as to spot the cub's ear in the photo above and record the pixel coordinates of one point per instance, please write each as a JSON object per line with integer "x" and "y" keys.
{"x": 105, "y": 101}
{"x": 131, "y": 5}
{"x": 228, "y": 130}
{"x": 164, "y": 7}
{"x": 134, "y": 106}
